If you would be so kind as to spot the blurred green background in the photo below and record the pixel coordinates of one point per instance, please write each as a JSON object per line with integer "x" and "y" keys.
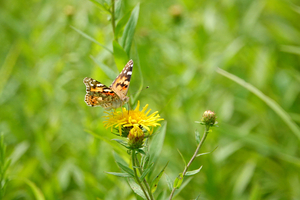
{"x": 180, "y": 44}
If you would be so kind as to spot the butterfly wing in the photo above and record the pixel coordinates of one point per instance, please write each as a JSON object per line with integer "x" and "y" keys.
{"x": 97, "y": 94}
{"x": 121, "y": 83}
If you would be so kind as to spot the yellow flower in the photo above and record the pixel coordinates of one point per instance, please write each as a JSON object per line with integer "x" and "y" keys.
{"x": 132, "y": 118}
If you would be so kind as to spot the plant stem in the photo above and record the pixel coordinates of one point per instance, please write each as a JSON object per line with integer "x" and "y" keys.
{"x": 136, "y": 175}
{"x": 113, "y": 15}
{"x": 192, "y": 159}
{"x": 145, "y": 181}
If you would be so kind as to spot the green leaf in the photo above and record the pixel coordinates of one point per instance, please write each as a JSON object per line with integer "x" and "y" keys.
{"x": 178, "y": 181}
{"x": 120, "y": 26}
{"x": 145, "y": 161}
{"x": 169, "y": 182}
{"x": 118, "y": 7}
{"x": 141, "y": 151}
{"x": 157, "y": 178}
{"x": 270, "y": 102}
{"x": 157, "y": 142}
{"x": 119, "y": 159}
{"x": 146, "y": 171}
{"x": 36, "y": 191}
{"x": 191, "y": 173}
{"x": 201, "y": 154}
{"x": 104, "y": 5}
{"x": 182, "y": 157}
{"x": 197, "y": 136}
{"x": 161, "y": 196}
{"x": 136, "y": 188}
{"x": 107, "y": 70}
{"x": 128, "y": 33}
{"x": 122, "y": 142}
{"x": 126, "y": 169}
{"x": 135, "y": 54}
{"x": 125, "y": 175}
{"x": 91, "y": 39}
{"x": 108, "y": 141}
{"x": 197, "y": 198}
{"x": 19, "y": 151}
{"x": 183, "y": 186}
{"x": 120, "y": 55}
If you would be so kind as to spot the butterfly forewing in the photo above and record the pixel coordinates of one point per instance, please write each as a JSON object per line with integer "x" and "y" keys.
{"x": 121, "y": 83}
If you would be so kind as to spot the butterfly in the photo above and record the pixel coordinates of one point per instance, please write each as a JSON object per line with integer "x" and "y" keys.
{"x": 112, "y": 97}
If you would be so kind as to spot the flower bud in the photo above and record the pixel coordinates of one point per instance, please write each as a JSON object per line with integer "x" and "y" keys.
{"x": 136, "y": 138}
{"x": 209, "y": 118}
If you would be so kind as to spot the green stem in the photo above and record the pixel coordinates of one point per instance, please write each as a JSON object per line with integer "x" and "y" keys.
{"x": 113, "y": 15}
{"x": 136, "y": 175}
{"x": 192, "y": 159}
{"x": 145, "y": 181}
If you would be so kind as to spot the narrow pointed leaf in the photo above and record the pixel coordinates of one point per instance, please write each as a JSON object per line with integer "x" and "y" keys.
{"x": 136, "y": 188}
{"x": 107, "y": 70}
{"x": 118, "y": 6}
{"x": 145, "y": 161}
{"x": 161, "y": 196}
{"x": 201, "y": 154}
{"x": 182, "y": 157}
{"x": 146, "y": 172}
{"x": 35, "y": 190}
{"x": 124, "y": 175}
{"x": 126, "y": 169}
{"x": 157, "y": 142}
{"x": 190, "y": 173}
{"x": 121, "y": 24}
{"x": 120, "y": 55}
{"x": 141, "y": 151}
{"x": 169, "y": 182}
{"x": 101, "y": 5}
{"x": 183, "y": 186}
{"x": 108, "y": 141}
{"x": 119, "y": 159}
{"x": 121, "y": 142}
{"x": 128, "y": 33}
{"x": 157, "y": 178}
{"x": 91, "y": 39}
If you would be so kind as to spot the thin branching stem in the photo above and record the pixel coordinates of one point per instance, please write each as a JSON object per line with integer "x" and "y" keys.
{"x": 136, "y": 175}
{"x": 145, "y": 181}
{"x": 193, "y": 157}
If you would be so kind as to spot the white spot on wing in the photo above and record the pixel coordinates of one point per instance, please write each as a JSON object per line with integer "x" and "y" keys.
{"x": 129, "y": 73}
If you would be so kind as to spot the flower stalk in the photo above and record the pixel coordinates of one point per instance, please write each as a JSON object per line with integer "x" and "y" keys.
{"x": 193, "y": 157}
{"x": 145, "y": 181}
{"x": 137, "y": 178}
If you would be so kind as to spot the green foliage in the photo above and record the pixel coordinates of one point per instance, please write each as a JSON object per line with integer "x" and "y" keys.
{"x": 237, "y": 58}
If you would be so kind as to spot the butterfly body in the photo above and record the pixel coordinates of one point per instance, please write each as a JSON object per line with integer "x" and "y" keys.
{"x": 112, "y": 97}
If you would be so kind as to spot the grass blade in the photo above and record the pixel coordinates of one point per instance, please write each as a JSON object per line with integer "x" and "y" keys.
{"x": 270, "y": 102}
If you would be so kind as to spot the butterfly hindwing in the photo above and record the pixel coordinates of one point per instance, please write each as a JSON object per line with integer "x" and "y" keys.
{"x": 98, "y": 94}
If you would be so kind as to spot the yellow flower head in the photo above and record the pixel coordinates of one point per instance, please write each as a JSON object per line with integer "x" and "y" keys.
{"x": 132, "y": 118}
